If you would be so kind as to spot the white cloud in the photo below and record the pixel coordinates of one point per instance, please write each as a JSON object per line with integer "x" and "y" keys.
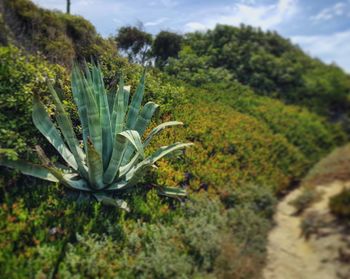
{"x": 265, "y": 16}
{"x": 156, "y": 22}
{"x": 330, "y": 48}
{"x": 337, "y": 9}
{"x": 195, "y": 26}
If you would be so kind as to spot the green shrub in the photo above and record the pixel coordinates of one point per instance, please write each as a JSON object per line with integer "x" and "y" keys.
{"x": 231, "y": 149}
{"x": 20, "y": 76}
{"x": 307, "y": 197}
{"x": 60, "y": 37}
{"x": 310, "y": 133}
{"x": 340, "y": 204}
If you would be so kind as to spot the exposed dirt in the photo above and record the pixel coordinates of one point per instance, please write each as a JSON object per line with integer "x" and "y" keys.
{"x": 326, "y": 252}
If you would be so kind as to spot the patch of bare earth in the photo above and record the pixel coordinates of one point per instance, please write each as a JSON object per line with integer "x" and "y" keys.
{"x": 313, "y": 245}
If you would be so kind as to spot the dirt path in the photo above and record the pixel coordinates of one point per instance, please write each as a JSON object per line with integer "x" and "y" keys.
{"x": 290, "y": 256}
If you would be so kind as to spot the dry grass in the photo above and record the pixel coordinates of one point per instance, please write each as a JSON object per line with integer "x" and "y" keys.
{"x": 336, "y": 166}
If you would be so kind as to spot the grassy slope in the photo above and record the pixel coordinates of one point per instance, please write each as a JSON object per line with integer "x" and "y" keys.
{"x": 246, "y": 149}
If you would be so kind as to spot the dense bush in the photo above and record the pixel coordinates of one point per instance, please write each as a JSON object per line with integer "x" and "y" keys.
{"x": 312, "y": 134}
{"x": 60, "y": 37}
{"x": 200, "y": 238}
{"x": 230, "y": 151}
{"x": 20, "y": 77}
{"x": 266, "y": 62}
{"x": 340, "y": 204}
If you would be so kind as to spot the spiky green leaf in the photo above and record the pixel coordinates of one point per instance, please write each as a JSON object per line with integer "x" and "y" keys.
{"x": 44, "y": 124}
{"x": 29, "y": 169}
{"x": 66, "y": 127}
{"x": 135, "y": 104}
{"x": 95, "y": 167}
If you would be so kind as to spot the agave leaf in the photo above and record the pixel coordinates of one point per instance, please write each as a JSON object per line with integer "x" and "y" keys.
{"x": 75, "y": 182}
{"x": 29, "y": 169}
{"x": 66, "y": 127}
{"x": 93, "y": 114}
{"x": 110, "y": 97}
{"x": 158, "y": 129}
{"x": 95, "y": 166}
{"x": 127, "y": 89}
{"x": 89, "y": 81}
{"x": 108, "y": 200}
{"x": 135, "y": 104}
{"x": 105, "y": 118}
{"x": 159, "y": 154}
{"x": 118, "y": 152}
{"x": 136, "y": 173}
{"x": 172, "y": 192}
{"x": 79, "y": 99}
{"x": 165, "y": 150}
{"x": 119, "y": 109}
{"x": 145, "y": 117}
{"x": 44, "y": 124}
{"x": 135, "y": 140}
{"x": 143, "y": 121}
{"x": 124, "y": 169}
{"x": 117, "y": 156}
{"x": 70, "y": 180}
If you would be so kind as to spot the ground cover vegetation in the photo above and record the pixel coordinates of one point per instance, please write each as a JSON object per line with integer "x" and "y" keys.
{"x": 249, "y": 146}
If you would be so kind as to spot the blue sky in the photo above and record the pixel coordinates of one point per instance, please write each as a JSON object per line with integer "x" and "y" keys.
{"x": 320, "y": 27}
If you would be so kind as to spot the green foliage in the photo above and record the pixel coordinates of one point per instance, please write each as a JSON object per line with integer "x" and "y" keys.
{"x": 135, "y": 42}
{"x": 266, "y": 62}
{"x": 114, "y": 158}
{"x": 194, "y": 69}
{"x": 307, "y": 131}
{"x": 230, "y": 151}
{"x": 43, "y": 232}
{"x": 247, "y": 148}
{"x": 340, "y": 204}
{"x": 60, "y": 37}
{"x": 159, "y": 88}
{"x": 20, "y": 76}
{"x": 166, "y": 44}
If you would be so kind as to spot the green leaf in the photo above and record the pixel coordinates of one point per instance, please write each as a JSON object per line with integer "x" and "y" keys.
{"x": 93, "y": 114}
{"x": 44, "y": 124}
{"x": 145, "y": 117}
{"x": 135, "y": 139}
{"x": 109, "y": 200}
{"x": 29, "y": 169}
{"x": 141, "y": 125}
{"x": 95, "y": 166}
{"x": 66, "y": 127}
{"x": 105, "y": 118}
{"x": 119, "y": 109}
{"x": 79, "y": 99}
{"x": 135, "y": 174}
{"x": 158, "y": 129}
{"x": 116, "y": 159}
{"x": 172, "y": 192}
{"x": 135, "y": 104}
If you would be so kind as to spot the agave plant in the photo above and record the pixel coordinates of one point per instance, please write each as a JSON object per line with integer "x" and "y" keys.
{"x": 111, "y": 156}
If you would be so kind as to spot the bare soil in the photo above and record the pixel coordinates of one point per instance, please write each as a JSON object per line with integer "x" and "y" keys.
{"x": 321, "y": 253}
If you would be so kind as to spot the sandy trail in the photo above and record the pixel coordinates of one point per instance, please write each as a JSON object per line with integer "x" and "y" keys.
{"x": 290, "y": 256}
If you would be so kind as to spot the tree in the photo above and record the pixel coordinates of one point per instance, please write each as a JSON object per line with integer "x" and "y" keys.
{"x": 135, "y": 42}
{"x": 166, "y": 44}
{"x": 68, "y": 6}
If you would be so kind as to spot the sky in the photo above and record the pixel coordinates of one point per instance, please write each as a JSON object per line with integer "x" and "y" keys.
{"x": 320, "y": 27}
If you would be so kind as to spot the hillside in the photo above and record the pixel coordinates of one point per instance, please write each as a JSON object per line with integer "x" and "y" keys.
{"x": 271, "y": 65}
{"x": 58, "y": 36}
{"x": 259, "y": 118}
